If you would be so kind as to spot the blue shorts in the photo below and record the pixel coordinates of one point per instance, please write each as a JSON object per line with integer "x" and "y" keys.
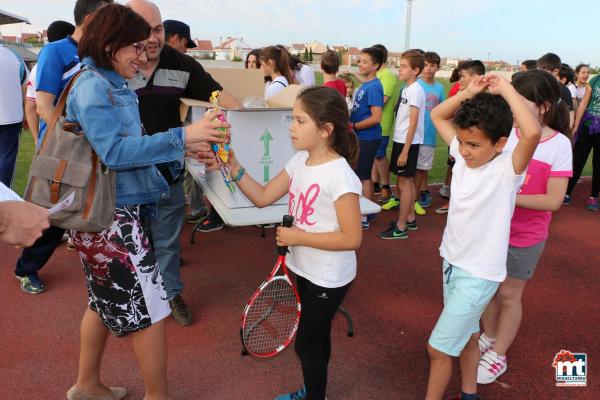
{"x": 366, "y": 158}
{"x": 465, "y": 298}
{"x": 382, "y": 150}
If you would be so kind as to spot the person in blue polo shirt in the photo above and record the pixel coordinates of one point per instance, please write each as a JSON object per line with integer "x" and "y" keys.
{"x": 57, "y": 63}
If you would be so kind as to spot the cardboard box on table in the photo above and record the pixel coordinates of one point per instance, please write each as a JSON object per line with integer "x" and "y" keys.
{"x": 260, "y": 138}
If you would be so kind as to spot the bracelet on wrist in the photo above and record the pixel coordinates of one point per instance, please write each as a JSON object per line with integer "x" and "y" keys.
{"x": 240, "y": 174}
{"x": 354, "y": 127}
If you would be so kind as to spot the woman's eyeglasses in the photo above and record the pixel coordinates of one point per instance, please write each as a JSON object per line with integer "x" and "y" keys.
{"x": 140, "y": 48}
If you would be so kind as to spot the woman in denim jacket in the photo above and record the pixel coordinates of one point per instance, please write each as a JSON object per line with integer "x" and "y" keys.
{"x": 125, "y": 288}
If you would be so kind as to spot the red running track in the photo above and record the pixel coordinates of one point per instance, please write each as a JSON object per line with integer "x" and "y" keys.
{"x": 394, "y": 301}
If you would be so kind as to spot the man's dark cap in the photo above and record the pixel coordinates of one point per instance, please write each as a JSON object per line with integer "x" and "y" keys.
{"x": 180, "y": 28}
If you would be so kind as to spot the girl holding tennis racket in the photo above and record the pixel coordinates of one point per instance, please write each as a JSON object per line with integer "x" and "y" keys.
{"x": 323, "y": 199}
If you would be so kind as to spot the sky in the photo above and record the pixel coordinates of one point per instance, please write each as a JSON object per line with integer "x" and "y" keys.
{"x": 509, "y": 30}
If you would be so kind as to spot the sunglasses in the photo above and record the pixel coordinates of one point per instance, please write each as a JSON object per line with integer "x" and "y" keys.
{"x": 140, "y": 48}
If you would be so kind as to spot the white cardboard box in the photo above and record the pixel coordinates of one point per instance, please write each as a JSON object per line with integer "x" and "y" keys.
{"x": 261, "y": 140}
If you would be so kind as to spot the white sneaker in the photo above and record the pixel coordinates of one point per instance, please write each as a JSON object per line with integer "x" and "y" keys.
{"x": 445, "y": 191}
{"x": 491, "y": 366}
{"x": 485, "y": 343}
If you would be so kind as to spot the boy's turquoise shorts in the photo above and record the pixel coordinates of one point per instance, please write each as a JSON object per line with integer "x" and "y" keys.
{"x": 465, "y": 298}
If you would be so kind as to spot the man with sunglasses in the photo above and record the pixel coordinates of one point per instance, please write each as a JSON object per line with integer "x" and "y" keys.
{"x": 168, "y": 76}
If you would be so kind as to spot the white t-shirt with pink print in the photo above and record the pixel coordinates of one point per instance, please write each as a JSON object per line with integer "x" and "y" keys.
{"x": 553, "y": 157}
{"x": 313, "y": 191}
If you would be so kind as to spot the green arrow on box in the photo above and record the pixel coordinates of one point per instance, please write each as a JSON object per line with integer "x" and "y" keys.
{"x": 266, "y": 138}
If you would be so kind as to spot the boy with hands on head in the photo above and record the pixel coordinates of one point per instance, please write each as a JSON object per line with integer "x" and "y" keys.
{"x": 485, "y": 181}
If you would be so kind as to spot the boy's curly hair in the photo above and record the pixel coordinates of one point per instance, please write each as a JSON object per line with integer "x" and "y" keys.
{"x": 490, "y": 113}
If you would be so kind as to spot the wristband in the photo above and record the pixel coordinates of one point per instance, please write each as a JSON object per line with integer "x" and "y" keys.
{"x": 354, "y": 127}
{"x": 240, "y": 174}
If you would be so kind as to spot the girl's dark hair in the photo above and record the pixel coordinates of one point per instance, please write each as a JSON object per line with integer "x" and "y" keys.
{"x": 255, "y": 53}
{"x": 112, "y": 27}
{"x": 294, "y": 61}
{"x": 580, "y": 66}
{"x": 541, "y": 88}
{"x": 326, "y": 105}
{"x": 280, "y": 58}
{"x": 567, "y": 72}
{"x": 376, "y": 55}
{"x": 455, "y": 77}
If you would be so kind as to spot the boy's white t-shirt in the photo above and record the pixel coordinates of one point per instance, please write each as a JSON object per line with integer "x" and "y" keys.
{"x": 275, "y": 86}
{"x": 481, "y": 208}
{"x": 313, "y": 191}
{"x": 412, "y": 96}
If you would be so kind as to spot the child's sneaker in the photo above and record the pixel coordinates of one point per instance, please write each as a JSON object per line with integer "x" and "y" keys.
{"x": 210, "y": 225}
{"x": 443, "y": 209}
{"x": 364, "y": 221}
{"x": 445, "y": 191}
{"x": 491, "y": 366}
{"x": 419, "y": 210}
{"x": 393, "y": 232}
{"x": 567, "y": 200}
{"x": 412, "y": 225}
{"x": 376, "y": 188}
{"x": 299, "y": 394}
{"x": 393, "y": 202}
{"x": 465, "y": 396}
{"x": 425, "y": 199}
{"x": 593, "y": 204}
{"x": 31, "y": 283}
{"x": 485, "y": 343}
{"x": 195, "y": 217}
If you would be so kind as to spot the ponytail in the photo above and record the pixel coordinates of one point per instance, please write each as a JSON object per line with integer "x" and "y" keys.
{"x": 281, "y": 61}
{"x": 541, "y": 88}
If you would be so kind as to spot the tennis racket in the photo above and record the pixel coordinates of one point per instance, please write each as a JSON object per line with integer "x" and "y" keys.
{"x": 271, "y": 317}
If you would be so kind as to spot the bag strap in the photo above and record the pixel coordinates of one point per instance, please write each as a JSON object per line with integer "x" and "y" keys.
{"x": 58, "y": 110}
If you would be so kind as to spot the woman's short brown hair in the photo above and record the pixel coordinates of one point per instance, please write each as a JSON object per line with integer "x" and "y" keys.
{"x": 110, "y": 29}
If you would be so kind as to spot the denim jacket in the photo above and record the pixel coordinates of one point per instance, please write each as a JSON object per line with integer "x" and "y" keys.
{"x": 107, "y": 111}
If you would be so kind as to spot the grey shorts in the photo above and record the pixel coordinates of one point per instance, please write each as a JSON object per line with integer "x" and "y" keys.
{"x": 521, "y": 261}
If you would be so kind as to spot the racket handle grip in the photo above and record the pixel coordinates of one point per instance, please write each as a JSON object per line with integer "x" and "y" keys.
{"x": 288, "y": 221}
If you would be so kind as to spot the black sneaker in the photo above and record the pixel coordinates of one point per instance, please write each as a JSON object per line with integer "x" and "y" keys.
{"x": 412, "y": 225}
{"x": 195, "y": 217}
{"x": 31, "y": 284}
{"x": 209, "y": 225}
{"x": 393, "y": 232}
{"x": 180, "y": 311}
{"x": 376, "y": 188}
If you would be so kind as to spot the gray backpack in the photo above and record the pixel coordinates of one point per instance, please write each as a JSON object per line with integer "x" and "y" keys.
{"x": 65, "y": 163}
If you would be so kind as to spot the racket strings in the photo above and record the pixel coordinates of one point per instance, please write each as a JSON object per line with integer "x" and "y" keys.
{"x": 272, "y": 318}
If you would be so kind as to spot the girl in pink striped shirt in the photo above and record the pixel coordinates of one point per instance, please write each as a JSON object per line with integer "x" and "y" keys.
{"x": 541, "y": 193}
